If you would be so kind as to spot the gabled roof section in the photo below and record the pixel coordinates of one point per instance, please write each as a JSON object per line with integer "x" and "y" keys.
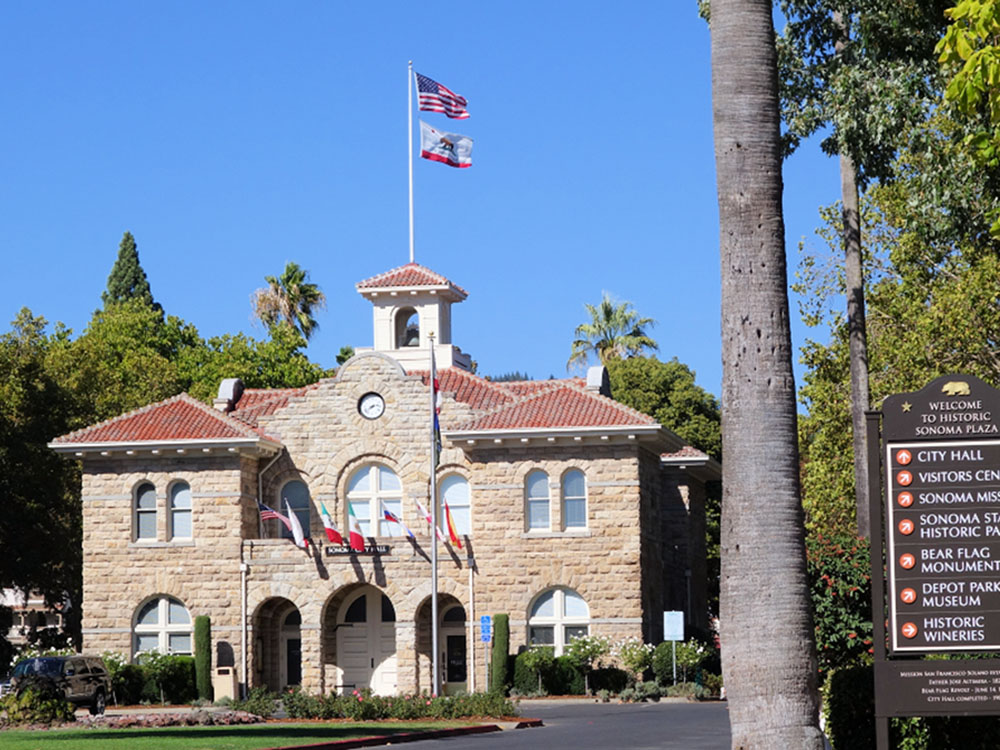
{"x": 411, "y": 276}
{"x": 260, "y": 402}
{"x": 177, "y": 419}
{"x": 563, "y": 404}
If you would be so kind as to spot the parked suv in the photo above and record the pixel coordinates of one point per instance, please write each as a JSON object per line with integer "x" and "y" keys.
{"x": 82, "y": 680}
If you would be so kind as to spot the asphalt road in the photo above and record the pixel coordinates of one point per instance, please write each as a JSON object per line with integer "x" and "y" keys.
{"x": 632, "y": 726}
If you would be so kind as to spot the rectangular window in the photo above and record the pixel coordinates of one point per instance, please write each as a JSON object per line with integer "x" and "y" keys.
{"x": 391, "y": 528}
{"x": 146, "y": 642}
{"x": 542, "y": 635}
{"x": 538, "y": 514}
{"x": 362, "y": 512}
{"x": 180, "y": 511}
{"x": 574, "y": 631}
{"x": 575, "y": 510}
{"x": 145, "y": 513}
{"x": 179, "y": 643}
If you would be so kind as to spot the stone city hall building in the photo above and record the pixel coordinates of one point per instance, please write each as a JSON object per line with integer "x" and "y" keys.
{"x": 577, "y": 515}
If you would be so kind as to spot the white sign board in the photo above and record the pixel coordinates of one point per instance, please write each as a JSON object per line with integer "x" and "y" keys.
{"x": 673, "y": 626}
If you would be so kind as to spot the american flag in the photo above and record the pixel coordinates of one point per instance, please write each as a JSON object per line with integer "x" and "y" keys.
{"x": 267, "y": 514}
{"x": 433, "y": 97}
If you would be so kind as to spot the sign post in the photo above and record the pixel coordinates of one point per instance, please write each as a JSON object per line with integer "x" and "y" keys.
{"x": 940, "y": 471}
{"x": 673, "y": 631}
{"x": 486, "y": 635}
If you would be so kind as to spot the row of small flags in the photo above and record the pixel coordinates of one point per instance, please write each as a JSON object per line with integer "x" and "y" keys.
{"x": 448, "y": 148}
{"x": 355, "y": 538}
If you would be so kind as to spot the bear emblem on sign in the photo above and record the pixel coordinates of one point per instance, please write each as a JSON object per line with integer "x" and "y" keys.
{"x": 955, "y": 388}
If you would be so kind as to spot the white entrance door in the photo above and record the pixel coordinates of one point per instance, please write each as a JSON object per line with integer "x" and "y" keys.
{"x": 366, "y": 642}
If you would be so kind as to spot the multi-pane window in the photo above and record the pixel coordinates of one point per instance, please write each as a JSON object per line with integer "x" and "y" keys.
{"x": 180, "y": 511}
{"x": 574, "y": 500}
{"x": 295, "y": 498}
{"x": 454, "y": 490}
{"x": 537, "y": 489}
{"x": 557, "y": 617}
{"x": 371, "y": 491}
{"x": 163, "y": 624}
{"x": 145, "y": 512}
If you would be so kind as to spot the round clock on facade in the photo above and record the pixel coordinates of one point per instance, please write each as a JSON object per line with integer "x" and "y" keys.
{"x": 371, "y": 406}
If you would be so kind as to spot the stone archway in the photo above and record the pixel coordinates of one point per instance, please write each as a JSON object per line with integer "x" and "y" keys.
{"x": 452, "y": 659}
{"x": 359, "y": 637}
{"x": 277, "y": 644}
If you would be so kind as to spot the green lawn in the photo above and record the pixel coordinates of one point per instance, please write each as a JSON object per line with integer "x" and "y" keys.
{"x": 252, "y": 737}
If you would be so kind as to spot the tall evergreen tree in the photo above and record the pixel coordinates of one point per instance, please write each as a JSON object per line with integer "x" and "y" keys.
{"x": 127, "y": 279}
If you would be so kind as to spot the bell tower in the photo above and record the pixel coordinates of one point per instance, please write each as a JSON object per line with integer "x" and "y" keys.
{"x": 411, "y": 303}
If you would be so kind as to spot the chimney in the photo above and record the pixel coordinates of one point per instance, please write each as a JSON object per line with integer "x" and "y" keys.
{"x": 598, "y": 381}
{"x": 230, "y": 391}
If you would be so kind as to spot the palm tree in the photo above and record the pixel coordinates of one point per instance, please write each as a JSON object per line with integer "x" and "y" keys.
{"x": 289, "y": 300}
{"x": 768, "y": 652}
{"x": 615, "y": 331}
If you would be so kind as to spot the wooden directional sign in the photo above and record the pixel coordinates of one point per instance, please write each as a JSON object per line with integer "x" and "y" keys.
{"x": 942, "y": 479}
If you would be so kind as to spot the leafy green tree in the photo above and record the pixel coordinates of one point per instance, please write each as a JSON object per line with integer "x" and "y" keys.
{"x": 584, "y": 651}
{"x": 539, "y": 660}
{"x": 771, "y": 682}
{"x": 127, "y": 280}
{"x": 289, "y": 299}
{"x": 614, "y": 331}
{"x": 40, "y": 529}
{"x": 667, "y": 392}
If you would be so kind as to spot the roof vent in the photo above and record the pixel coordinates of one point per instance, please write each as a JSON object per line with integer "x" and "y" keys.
{"x": 230, "y": 391}
{"x": 598, "y": 381}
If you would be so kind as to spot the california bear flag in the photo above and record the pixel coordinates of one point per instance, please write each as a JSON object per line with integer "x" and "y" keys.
{"x": 448, "y": 148}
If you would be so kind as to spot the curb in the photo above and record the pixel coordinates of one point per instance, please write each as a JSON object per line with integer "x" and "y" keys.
{"x": 430, "y": 734}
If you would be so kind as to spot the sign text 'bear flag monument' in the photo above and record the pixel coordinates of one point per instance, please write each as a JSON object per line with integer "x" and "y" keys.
{"x": 939, "y": 590}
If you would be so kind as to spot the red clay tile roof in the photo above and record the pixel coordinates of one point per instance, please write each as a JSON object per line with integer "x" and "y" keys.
{"x": 688, "y": 451}
{"x": 177, "y": 418}
{"x": 412, "y": 274}
{"x": 563, "y": 404}
{"x": 259, "y": 402}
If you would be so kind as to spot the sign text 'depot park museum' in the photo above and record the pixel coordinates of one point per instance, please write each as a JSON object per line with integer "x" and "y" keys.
{"x": 941, "y": 477}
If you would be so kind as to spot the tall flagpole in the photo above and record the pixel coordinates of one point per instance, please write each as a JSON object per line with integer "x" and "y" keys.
{"x": 409, "y": 138}
{"x": 436, "y": 682}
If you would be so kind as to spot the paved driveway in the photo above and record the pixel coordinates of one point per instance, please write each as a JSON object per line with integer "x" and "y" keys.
{"x": 633, "y": 726}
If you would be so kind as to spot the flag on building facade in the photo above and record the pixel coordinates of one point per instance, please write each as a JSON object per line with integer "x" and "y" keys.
{"x": 452, "y": 532}
{"x": 331, "y": 531}
{"x": 448, "y": 148}
{"x": 433, "y": 97}
{"x": 268, "y": 514}
{"x": 296, "y": 527}
{"x": 390, "y": 516}
{"x": 427, "y": 516}
{"x": 357, "y": 539}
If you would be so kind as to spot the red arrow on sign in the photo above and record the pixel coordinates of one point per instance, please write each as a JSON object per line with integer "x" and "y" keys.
{"x": 908, "y": 596}
{"x": 903, "y": 457}
{"x": 904, "y": 478}
{"x": 907, "y": 561}
{"x": 909, "y": 629}
{"x": 905, "y": 527}
{"x": 905, "y": 499}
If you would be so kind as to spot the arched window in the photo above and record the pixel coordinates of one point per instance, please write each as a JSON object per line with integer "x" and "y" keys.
{"x": 180, "y": 511}
{"x": 407, "y": 328}
{"x": 537, "y": 490}
{"x": 454, "y": 490}
{"x": 295, "y": 495}
{"x": 162, "y": 624}
{"x": 371, "y": 491}
{"x": 145, "y": 512}
{"x": 574, "y": 500}
{"x": 557, "y": 617}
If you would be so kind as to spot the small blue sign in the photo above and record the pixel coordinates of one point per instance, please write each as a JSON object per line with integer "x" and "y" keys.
{"x": 673, "y": 626}
{"x": 486, "y": 628}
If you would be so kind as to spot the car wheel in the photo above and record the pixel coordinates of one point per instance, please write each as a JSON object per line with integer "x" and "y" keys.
{"x": 98, "y": 706}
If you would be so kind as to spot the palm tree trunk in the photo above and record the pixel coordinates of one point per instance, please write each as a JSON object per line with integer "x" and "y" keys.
{"x": 768, "y": 653}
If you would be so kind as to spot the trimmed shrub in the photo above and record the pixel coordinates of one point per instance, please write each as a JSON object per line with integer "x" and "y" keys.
{"x": 663, "y": 663}
{"x": 850, "y": 708}
{"x": 610, "y": 679}
{"x": 299, "y": 705}
{"x": 260, "y": 702}
{"x": 499, "y": 679}
{"x": 203, "y": 656}
{"x": 127, "y": 684}
{"x": 565, "y": 678}
{"x": 37, "y": 701}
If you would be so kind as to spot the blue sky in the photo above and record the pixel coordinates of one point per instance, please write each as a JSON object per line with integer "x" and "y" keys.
{"x": 231, "y": 137}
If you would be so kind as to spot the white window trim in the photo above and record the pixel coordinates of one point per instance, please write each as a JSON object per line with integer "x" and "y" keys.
{"x": 137, "y": 514}
{"x": 375, "y": 496}
{"x": 559, "y": 621}
{"x": 563, "y": 498}
{"x": 171, "y": 511}
{"x": 163, "y": 629}
{"x": 527, "y": 503}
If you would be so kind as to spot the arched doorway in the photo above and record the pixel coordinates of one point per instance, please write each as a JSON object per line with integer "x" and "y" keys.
{"x": 452, "y": 638}
{"x": 366, "y": 642}
{"x": 277, "y": 644}
{"x": 452, "y": 645}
